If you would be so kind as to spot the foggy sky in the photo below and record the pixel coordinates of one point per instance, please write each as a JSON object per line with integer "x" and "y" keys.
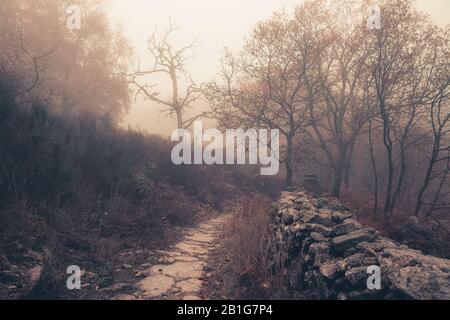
{"x": 217, "y": 24}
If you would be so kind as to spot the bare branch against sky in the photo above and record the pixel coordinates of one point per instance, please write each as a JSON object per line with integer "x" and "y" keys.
{"x": 217, "y": 24}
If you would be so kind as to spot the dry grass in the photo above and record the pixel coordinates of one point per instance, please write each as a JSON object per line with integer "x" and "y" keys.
{"x": 254, "y": 269}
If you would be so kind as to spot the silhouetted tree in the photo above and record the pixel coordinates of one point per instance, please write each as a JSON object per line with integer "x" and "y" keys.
{"x": 169, "y": 60}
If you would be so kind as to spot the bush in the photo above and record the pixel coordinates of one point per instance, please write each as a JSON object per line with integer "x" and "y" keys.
{"x": 254, "y": 269}
{"x": 81, "y": 184}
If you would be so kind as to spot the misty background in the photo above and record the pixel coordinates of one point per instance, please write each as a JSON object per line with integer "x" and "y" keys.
{"x": 217, "y": 24}
{"x": 86, "y": 176}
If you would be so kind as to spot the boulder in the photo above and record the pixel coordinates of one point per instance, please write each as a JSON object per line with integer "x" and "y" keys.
{"x": 325, "y": 231}
{"x": 331, "y": 269}
{"x": 356, "y": 278}
{"x": 349, "y": 225}
{"x": 342, "y": 243}
{"x": 419, "y": 276}
{"x": 355, "y": 260}
{"x": 35, "y": 275}
{"x": 318, "y": 237}
{"x": 319, "y": 218}
{"x": 339, "y": 216}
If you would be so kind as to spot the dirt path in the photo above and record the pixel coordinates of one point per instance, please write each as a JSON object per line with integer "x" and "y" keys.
{"x": 180, "y": 270}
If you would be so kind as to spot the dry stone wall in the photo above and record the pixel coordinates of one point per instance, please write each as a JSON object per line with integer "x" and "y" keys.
{"x": 329, "y": 255}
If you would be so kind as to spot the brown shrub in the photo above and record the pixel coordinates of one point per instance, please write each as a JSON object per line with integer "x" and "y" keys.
{"x": 254, "y": 271}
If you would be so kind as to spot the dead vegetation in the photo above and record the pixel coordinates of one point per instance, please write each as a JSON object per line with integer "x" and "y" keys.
{"x": 79, "y": 191}
{"x": 364, "y": 112}
{"x": 246, "y": 264}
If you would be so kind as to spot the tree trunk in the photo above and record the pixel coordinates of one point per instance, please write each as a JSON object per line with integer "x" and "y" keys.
{"x": 387, "y": 203}
{"x": 339, "y": 170}
{"x": 337, "y": 184}
{"x": 348, "y": 166}
{"x": 390, "y": 158}
{"x": 289, "y": 162}
{"x": 428, "y": 174}
{"x": 179, "y": 119}
{"x": 375, "y": 173}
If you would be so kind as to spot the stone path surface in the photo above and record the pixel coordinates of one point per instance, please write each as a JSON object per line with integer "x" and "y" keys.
{"x": 180, "y": 270}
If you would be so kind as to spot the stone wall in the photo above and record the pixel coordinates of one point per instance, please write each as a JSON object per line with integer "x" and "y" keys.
{"x": 328, "y": 254}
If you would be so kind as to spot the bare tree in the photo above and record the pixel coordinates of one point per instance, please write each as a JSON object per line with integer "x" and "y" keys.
{"x": 35, "y": 62}
{"x": 439, "y": 117}
{"x": 170, "y": 61}
{"x": 344, "y": 105}
{"x": 263, "y": 85}
{"x": 374, "y": 170}
{"x": 401, "y": 83}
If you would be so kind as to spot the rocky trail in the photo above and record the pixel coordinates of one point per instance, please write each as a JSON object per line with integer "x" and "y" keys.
{"x": 181, "y": 269}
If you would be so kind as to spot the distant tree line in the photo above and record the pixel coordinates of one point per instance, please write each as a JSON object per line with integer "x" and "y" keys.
{"x": 75, "y": 71}
{"x": 363, "y": 108}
